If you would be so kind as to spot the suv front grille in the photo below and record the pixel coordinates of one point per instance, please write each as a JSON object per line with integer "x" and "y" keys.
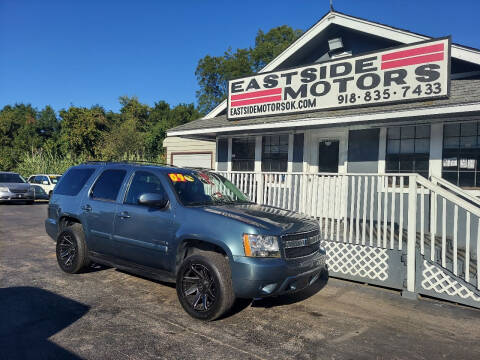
{"x": 301, "y": 244}
{"x": 18, "y": 191}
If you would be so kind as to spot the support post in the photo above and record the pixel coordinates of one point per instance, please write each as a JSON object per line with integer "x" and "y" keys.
{"x": 259, "y": 180}
{"x": 411, "y": 237}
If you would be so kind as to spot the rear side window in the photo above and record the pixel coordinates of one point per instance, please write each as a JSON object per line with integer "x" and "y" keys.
{"x": 73, "y": 181}
{"x": 108, "y": 185}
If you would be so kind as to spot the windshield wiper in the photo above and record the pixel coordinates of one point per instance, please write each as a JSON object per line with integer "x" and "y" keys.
{"x": 230, "y": 202}
{"x": 197, "y": 203}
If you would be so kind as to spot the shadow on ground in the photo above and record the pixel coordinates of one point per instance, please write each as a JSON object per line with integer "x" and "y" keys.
{"x": 29, "y": 316}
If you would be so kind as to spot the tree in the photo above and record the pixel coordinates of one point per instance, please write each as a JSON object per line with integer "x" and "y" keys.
{"x": 214, "y": 72}
{"x": 47, "y": 122}
{"x": 162, "y": 118}
{"x": 81, "y": 130}
{"x": 268, "y": 46}
{"x": 18, "y": 133}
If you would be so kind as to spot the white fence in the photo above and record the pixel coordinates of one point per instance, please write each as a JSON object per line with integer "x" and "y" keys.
{"x": 402, "y": 212}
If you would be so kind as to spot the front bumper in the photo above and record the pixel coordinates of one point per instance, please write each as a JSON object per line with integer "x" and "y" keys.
{"x": 257, "y": 278}
{"x": 10, "y": 196}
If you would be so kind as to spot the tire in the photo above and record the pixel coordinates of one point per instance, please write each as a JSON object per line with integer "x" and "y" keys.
{"x": 72, "y": 254}
{"x": 211, "y": 296}
{"x": 30, "y": 202}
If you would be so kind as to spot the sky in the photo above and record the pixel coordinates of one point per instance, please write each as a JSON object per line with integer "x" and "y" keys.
{"x": 84, "y": 52}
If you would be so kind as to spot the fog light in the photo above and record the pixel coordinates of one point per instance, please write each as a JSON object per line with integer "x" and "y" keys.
{"x": 314, "y": 278}
{"x": 268, "y": 289}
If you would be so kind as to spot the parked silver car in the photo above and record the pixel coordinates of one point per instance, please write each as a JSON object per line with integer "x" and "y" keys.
{"x": 14, "y": 188}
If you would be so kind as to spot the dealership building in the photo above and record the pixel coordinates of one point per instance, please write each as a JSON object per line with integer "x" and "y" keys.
{"x": 371, "y": 129}
{"x": 427, "y": 134}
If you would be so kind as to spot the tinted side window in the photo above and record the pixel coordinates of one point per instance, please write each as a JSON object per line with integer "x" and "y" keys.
{"x": 73, "y": 181}
{"x": 143, "y": 182}
{"x": 108, "y": 185}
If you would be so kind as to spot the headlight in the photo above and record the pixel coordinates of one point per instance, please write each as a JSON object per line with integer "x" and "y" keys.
{"x": 4, "y": 189}
{"x": 261, "y": 245}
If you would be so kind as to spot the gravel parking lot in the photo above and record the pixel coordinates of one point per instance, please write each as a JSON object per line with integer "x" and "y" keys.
{"x": 108, "y": 314}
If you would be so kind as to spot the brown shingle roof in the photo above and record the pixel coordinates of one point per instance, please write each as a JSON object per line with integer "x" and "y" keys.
{"x": 461, "y": 92}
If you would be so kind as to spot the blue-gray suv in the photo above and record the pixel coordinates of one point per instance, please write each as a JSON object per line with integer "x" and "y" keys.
{"x": 191, "y": 227}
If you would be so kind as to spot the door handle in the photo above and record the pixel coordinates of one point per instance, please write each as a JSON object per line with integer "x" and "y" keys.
{"x": 87, "y": 208}
{"x": 124, "y": 215}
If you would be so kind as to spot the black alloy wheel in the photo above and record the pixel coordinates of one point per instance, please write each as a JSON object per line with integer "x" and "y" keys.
{"x": 204, "y": 285}
{"x": 198, "y": 287}
{"x": 67, "y": 250}
{"x": 72, "y": 254}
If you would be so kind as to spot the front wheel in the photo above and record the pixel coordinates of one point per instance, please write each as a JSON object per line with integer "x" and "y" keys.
{"x": 204, "y": 285}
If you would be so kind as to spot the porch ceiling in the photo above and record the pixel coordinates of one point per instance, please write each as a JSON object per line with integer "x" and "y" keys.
{"x": 464, "y": 98}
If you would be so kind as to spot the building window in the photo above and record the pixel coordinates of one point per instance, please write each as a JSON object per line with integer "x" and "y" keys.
{"x": 408, "y": 149}
{"x": 461, "y": 152}
{"x": 275, "y": 153}
{"x": 243, "y": 154}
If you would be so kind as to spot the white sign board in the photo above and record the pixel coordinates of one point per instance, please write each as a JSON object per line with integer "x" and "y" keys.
{"x": 408, "y": 73}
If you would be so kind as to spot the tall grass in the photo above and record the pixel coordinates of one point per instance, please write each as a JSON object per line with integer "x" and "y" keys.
{"x": 45, "y": 163}
{"x": 42, "y": 162}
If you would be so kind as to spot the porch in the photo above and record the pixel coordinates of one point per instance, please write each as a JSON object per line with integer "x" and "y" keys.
{"x": 397, "y": 230}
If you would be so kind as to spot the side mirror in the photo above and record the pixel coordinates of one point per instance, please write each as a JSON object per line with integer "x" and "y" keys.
{"x": 45, "y": 182}
{"x": 158, "y": 201}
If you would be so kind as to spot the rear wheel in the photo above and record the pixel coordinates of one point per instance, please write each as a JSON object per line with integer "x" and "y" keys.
{"x": 204, "y": 285}
{"x": 72, "y": 249}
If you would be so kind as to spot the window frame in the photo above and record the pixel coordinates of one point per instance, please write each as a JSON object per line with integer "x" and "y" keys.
{"x": 411, "y": 157}
{"x": 287, "y": 136}
{"x": 249, "y": 139}
{"x": 90, "y": 192}
{"x": 462, "y": 153}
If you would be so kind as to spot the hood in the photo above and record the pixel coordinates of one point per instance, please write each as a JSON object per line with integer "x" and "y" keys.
{"x": 266, "y": 217}
{"x": 16, "y": 186}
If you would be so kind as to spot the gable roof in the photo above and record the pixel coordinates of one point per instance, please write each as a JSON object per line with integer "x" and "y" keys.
{"x": 468, "y": 54}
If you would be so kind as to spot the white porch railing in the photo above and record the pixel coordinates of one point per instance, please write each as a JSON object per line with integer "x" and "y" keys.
{"x": 403, "y": 212}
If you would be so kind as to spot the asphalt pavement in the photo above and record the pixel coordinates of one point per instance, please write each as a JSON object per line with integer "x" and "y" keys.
{"x": 104, "y": 313}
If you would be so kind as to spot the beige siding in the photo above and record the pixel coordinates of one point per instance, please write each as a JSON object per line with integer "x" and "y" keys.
{"x": 175, "y": 144}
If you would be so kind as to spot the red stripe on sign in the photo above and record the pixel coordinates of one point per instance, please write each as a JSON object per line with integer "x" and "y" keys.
{"x": 412, "y": 61}
{"x": 255, "y": 94}
{"x": 257, "y": 101}
{"x": 413, "y": 52}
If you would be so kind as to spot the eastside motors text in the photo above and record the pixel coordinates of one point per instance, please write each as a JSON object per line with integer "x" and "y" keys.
{"x": 411, "y": 72}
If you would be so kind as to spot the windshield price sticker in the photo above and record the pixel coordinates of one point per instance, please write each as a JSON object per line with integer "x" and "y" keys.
{"x": 180, "y": 178}
{"x": 413, "y": 72}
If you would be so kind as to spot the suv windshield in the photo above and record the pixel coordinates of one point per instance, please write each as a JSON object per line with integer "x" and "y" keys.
{"x": 11, "y": 178}
{"x": 205, "y": 188}
{"x": 54, "y": 179}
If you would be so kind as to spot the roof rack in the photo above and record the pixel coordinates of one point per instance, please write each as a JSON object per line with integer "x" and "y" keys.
{"x": 132, "y": 162}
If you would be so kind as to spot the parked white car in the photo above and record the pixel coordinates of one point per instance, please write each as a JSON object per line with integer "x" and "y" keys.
{"x": 46, "y": 181}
